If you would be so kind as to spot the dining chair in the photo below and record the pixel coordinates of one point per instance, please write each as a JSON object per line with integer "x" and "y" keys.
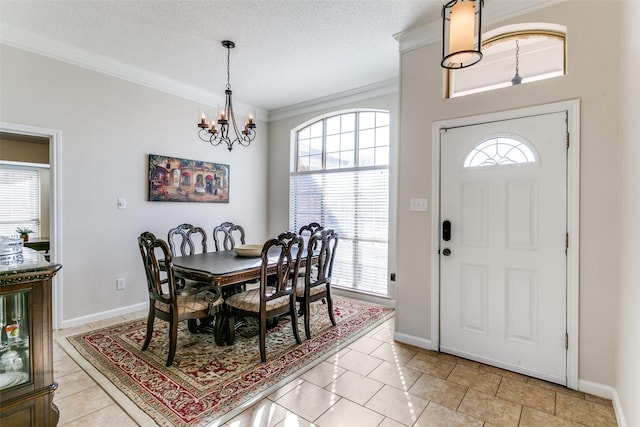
{"x": 306, "y": 231}
{"x": 316, "y": 284}
{"x": 223, "y": 236}
{"x": 166, "y": 301}
{"x": 186, "y": 235}
{"x": 190, "y": 240}
{"x": 276, "y": 295}
{"x": 309, "y": 229}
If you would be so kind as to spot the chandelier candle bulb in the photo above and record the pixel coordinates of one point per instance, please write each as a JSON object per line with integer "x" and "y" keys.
{"x": 202, "y": 116}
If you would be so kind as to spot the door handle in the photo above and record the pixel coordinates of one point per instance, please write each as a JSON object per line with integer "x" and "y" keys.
{"x": 446, "y": 230}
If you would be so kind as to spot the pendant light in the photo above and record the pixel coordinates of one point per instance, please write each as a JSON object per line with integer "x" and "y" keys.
{"x": 461, "y": 33}
{"x": 516, "y": 80}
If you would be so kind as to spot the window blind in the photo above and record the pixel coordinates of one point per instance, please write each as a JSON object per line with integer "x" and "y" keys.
{"x": 19, "y": 199}
{"x": 355, "y": 203}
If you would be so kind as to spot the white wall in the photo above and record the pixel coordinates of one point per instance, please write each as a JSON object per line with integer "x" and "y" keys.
{"x": 628, "y": 355}
{"x": 593, "y": 55}
{"x": 108, "y": 127}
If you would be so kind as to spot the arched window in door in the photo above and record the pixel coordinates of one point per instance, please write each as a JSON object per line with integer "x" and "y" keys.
{"x": 499, "y": 151}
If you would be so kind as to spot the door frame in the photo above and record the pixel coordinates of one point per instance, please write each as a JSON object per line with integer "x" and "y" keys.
{"x": 55, "y": 208}
{"x": 572, "y": 108}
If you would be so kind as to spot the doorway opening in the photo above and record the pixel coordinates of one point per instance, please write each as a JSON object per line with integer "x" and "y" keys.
{"x": 23, "y": 134}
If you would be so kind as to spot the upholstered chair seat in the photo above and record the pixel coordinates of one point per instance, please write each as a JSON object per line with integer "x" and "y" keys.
{"x": 250, "y": 300}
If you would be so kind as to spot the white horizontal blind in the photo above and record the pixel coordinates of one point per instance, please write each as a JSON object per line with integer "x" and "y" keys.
{"x": 355, "y": 203}
{"x": 19, "y": 199}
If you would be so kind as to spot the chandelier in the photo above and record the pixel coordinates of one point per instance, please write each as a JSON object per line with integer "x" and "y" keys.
{"x": 461, "y": 33}
{"x": 228, "y": 130}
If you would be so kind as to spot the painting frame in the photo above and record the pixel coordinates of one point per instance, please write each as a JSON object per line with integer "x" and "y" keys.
{"x": 175, "y": 179}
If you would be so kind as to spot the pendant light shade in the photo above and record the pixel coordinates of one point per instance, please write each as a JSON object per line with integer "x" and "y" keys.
{"x": 461, "y": 33}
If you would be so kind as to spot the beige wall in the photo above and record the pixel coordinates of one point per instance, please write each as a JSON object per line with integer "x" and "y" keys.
{"x": 591, "y": 77}
{"x": 628, "y": 355}
{"x": 108, "y": 127}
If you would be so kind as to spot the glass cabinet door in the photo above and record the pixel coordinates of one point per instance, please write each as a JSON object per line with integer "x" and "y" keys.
{"x": 14, "y": 340}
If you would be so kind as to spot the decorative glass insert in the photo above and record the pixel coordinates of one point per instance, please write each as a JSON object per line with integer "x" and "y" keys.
{"x": 499, "y": 151}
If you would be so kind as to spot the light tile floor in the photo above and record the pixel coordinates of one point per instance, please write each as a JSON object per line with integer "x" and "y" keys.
{"x": 373, "y": 382}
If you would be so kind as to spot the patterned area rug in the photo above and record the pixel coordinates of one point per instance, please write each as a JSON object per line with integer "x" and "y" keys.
{"x": 209, "y": 384}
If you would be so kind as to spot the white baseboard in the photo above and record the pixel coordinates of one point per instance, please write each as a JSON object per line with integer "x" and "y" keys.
{"x": 78, "y": 321}
{"x": 415, "y": 341}
{"x": 606, "y": 392}
{"x": 622, "y": 422}
{"x": 600, "y": 390}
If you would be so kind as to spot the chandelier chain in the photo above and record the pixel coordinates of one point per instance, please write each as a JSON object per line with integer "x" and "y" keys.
{"x": 517, "y": 55}
{"x": 228, "y": 67}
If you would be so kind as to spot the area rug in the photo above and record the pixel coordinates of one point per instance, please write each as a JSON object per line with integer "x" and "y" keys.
{"x": 209, "y": 384}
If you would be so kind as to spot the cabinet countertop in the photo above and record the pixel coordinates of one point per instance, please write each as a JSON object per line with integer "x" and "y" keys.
{"x": 33, "y": 264}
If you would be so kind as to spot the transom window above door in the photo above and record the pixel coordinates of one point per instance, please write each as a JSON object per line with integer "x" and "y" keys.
{"x": 513, "y": 55}
{"x": 499, "y": 151}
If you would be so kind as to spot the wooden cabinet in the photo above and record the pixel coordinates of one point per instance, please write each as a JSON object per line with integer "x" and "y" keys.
{"x": 26, "y": 350}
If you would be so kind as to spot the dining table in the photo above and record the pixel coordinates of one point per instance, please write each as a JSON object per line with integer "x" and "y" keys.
{"x": 224, "y": 269}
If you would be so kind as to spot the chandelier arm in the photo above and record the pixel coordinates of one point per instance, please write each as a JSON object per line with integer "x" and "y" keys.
{"x": 206, "y": 136}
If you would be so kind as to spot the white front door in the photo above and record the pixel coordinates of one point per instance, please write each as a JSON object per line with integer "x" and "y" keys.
{"x": 503, "y": 212}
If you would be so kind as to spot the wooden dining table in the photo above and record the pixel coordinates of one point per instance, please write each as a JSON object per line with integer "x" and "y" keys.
{"x": 223, "y": 269}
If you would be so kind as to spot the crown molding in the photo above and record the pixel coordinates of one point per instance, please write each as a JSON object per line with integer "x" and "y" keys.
{"x": 35, "y": 43}
{"x": 386, "y": 87}
{"x": 493, "y": 13}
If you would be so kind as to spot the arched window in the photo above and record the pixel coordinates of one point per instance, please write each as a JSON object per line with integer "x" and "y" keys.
{"x": 512, "y": 55}
{"x": 499, "y": 151}
{"x": 340, "y": 179}
{"x": 353, "y": 139}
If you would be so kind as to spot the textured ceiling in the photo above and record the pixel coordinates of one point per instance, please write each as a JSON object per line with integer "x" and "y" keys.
{"x": 286, "y": 52}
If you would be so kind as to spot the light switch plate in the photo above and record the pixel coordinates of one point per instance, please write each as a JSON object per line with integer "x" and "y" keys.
{"x": 419, "y": 205}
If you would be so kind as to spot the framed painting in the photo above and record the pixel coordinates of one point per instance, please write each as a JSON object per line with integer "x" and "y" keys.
{"x": 172, "y": 179}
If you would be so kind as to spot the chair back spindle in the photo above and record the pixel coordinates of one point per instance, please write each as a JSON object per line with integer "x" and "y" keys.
{"x": 290, "y": 248}
{"x": 225, "y": 234}
{"x": 185, "y": 237}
